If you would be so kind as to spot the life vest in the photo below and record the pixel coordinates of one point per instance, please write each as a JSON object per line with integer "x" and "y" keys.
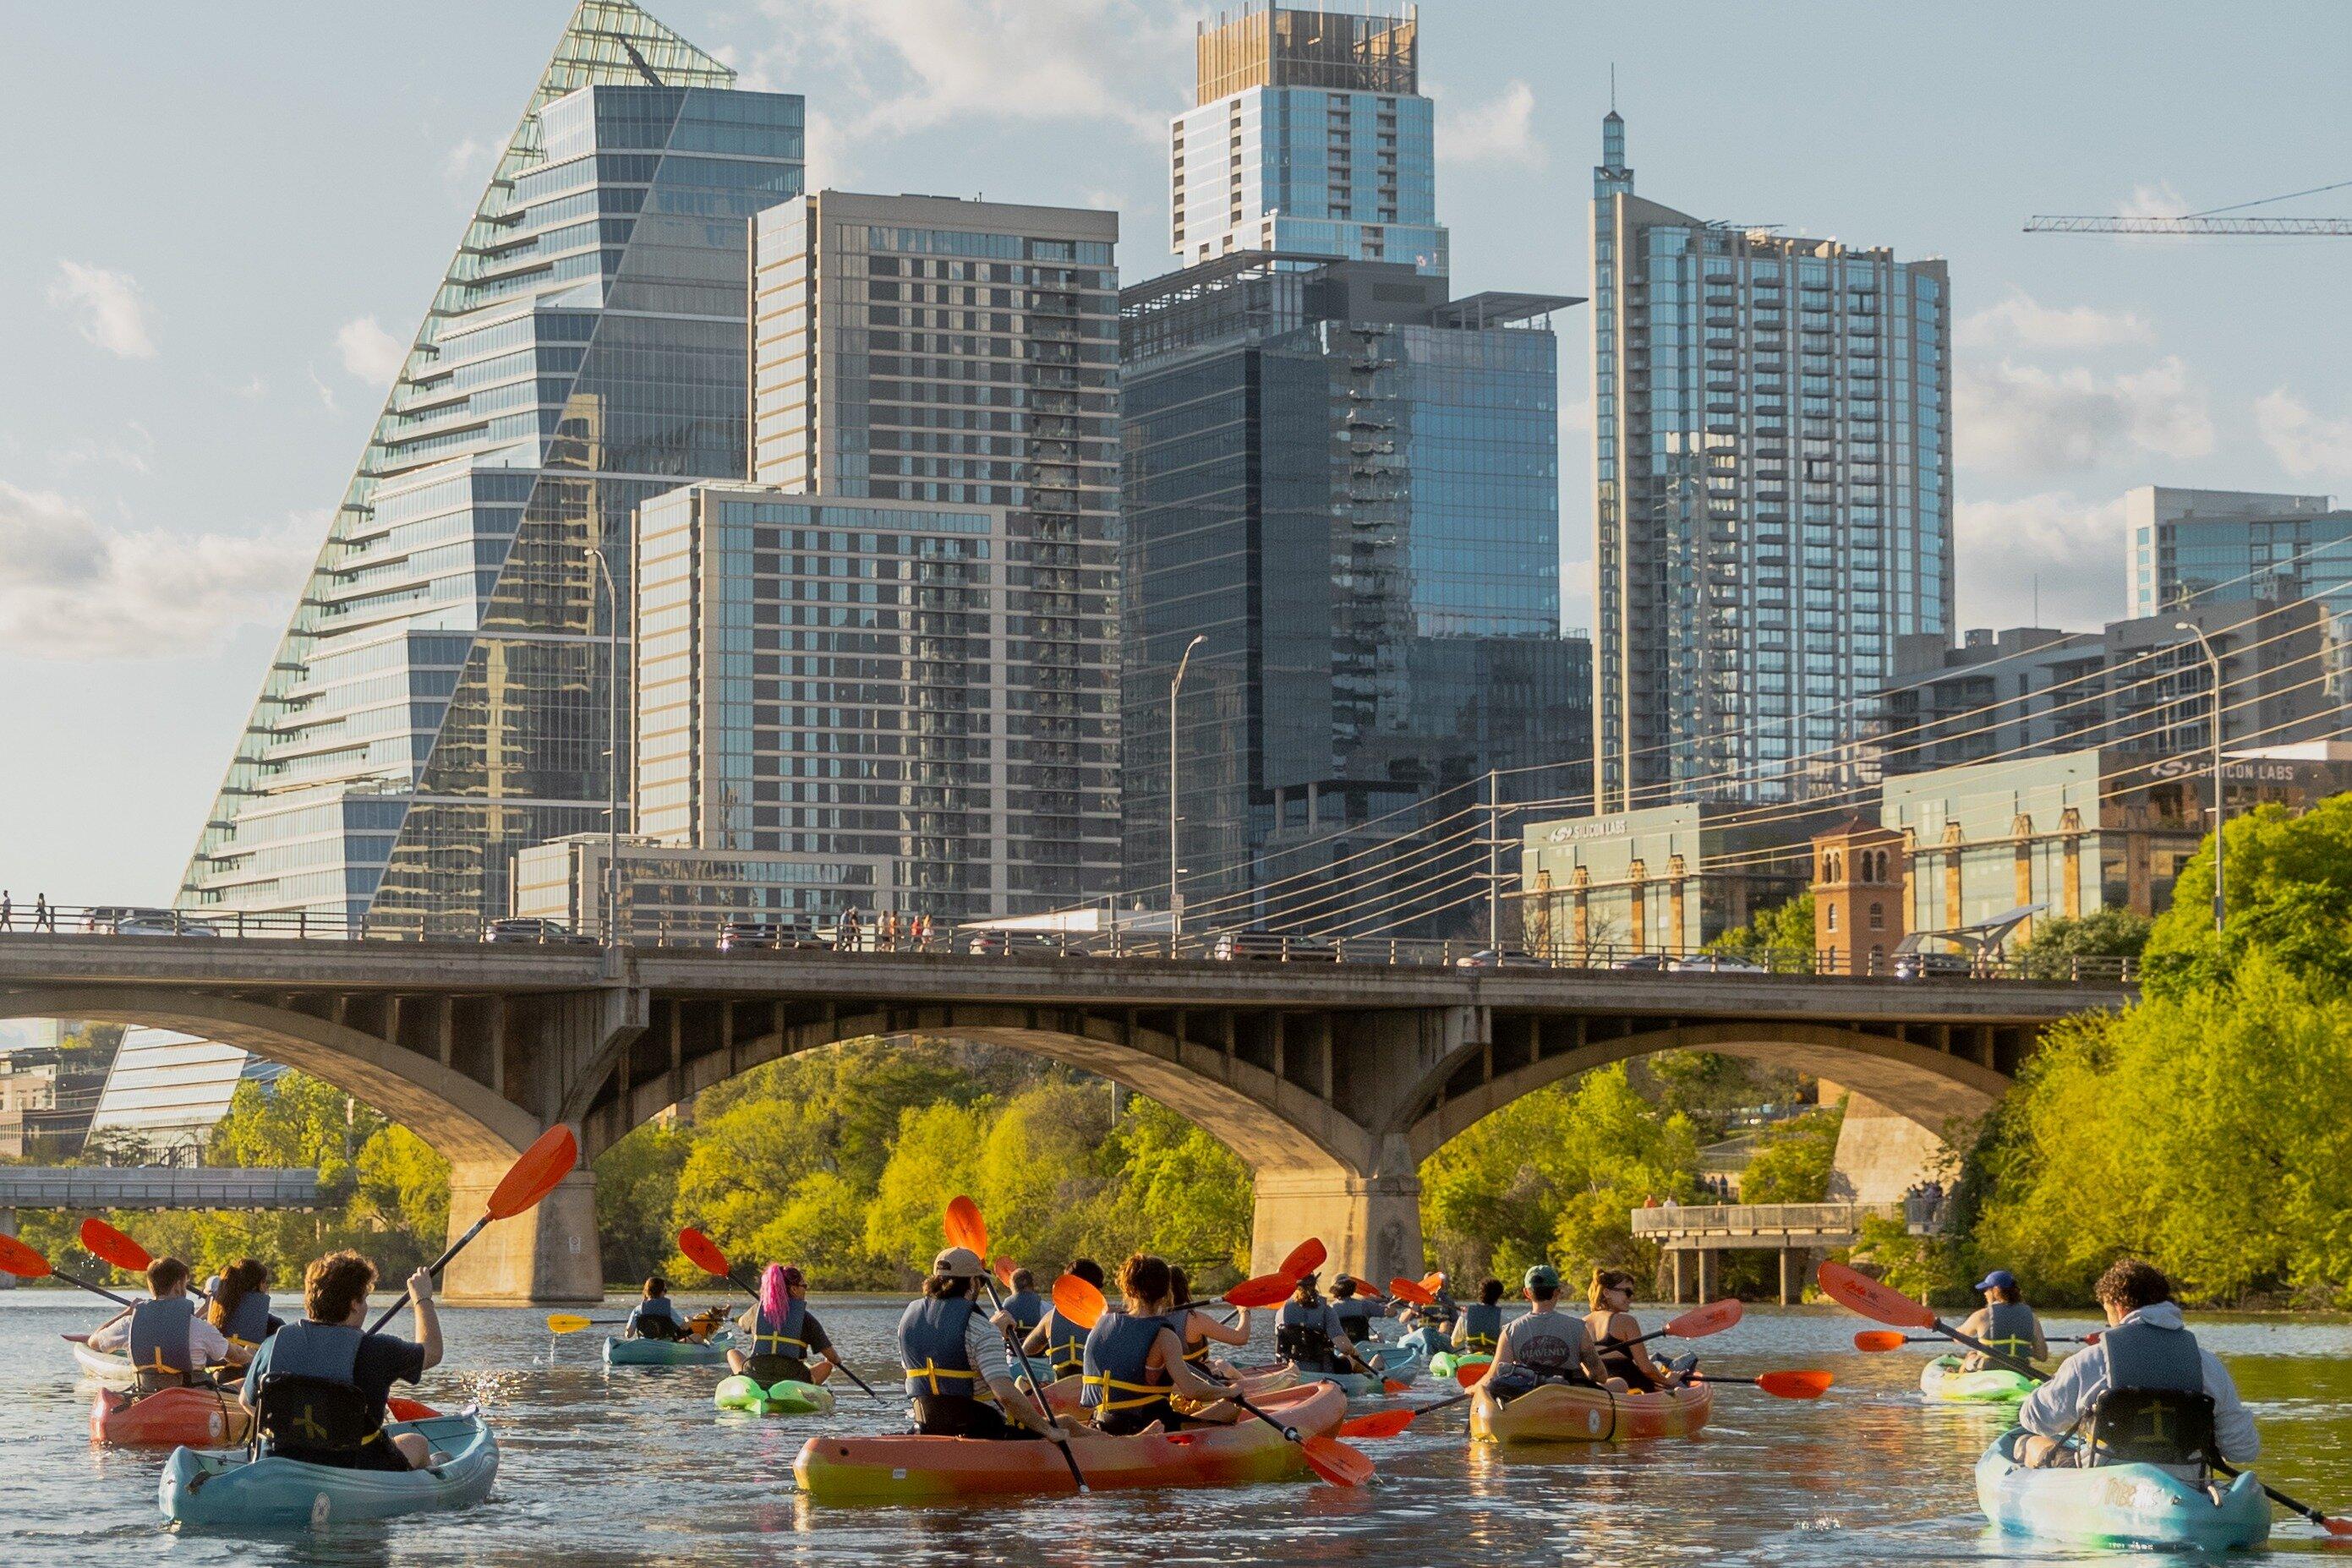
{"x": 2140, "y": 1355}
{"x": 310, "y": 1400}
{"x": 786, "y": 1338}
{"x": 248, "y": 1325}
{"x": 1066, "y": 1343}
{"x": 2155, "y": 1409}
{"x": 2009, "y": 1329}
{"x": 1196, "y": 1351}
{"x": 159, "y": 1342}
{"x": 1117, "y": 1372}
{"x": 1026, "y": 1308}
{"x": 1355, "y": 1317}
{"x": 1446, "y": 1310}
{"x": 1485, "y": 1330}
{"x": 654, "y": 1310}
{"x": 932, "y": 1349}
{"x": 1302, "y": 1334}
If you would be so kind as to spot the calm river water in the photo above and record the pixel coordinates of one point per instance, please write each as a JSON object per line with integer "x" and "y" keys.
{"x": 632, "y": 1465}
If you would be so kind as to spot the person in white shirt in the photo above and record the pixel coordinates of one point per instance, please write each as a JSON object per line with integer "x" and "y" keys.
{"x": 166, "y": 1340}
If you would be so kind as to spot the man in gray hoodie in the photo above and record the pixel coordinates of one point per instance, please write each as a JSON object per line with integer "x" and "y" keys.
{"x": 2146, "y": 1346}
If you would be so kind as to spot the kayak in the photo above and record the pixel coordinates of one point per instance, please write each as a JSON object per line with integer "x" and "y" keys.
{"x": 2117, "y": 1505}
{"x": 1395, "y": 1362}
{"x": 102, "y": 1367}
{"x": 168, "y": 1418}
{"x": 1565, "y": 1413}
{"x": 667, "y": 1351}
{"x": 231, "y": 1489}
{"x": 1444, "y": 1365}
{"x": 1943, "y": 1379}
{"x": 1062, "y": 1393}
{"x": 785, "y": 1397}
{"x": 910, "y": 1469}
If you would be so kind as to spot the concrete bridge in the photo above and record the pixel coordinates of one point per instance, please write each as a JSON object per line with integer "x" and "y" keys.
{"x": 1332, "y": 1082}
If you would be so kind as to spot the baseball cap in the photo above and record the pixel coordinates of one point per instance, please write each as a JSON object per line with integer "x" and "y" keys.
{"x": 1542, "y": 1277}
{"x": 1999, "y": 1278}
{"x": 958, "y": 1264}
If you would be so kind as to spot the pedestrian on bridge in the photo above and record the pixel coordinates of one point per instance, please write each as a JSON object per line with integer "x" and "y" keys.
{"x": 8, "y": 911}
{"x": 43, "y": 918}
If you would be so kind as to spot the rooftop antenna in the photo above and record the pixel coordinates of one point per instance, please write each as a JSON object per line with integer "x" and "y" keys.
{"x": 1612, "y": 87}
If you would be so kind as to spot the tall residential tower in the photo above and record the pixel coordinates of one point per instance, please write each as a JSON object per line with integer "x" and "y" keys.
{"x": 1773, "y": 464}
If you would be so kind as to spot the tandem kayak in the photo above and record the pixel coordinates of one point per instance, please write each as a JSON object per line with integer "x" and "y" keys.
{"x": 667, "y": 1351}
{"x": 910, "y": 1469}
{"x": 1943, "y": 1379}
{"x": 169, "y": 1418}
{"x": 785, "y": 1397}
{"x": 232, "y": 1490}
{"x": 1395, "y": 1361}
{"x": 1445, "y": 1364}
{"x": 1566, "y": 1413}
{"x": 102, "y": 1367}
{"x": 2117, "y": 1505}
{"x": 1062, "y": 1393}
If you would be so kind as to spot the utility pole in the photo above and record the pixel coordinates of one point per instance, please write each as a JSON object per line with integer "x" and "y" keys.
{"x": 611, "y": 878}
{"x": 2213, "y": 660}
{"x": 1494, "y": 858}
{"x": 1175, "y": 899}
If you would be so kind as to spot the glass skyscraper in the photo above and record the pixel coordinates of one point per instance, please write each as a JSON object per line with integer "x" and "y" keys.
{"x": 441, "y": 696}
{"x": 1308, "y": 133}
{"x": 1772, "y": 462}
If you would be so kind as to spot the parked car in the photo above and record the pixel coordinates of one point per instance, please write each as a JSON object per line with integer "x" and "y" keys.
{"x": 159, "y": 923}
{"x": 531, "y": 929}
{"x": 1501, "y": 958}
{"x": 1028, "y": 944}
{"x": 1933, "y": 965}
{"x": 1716, "y": 964}
{"x": 786, "y": 933}
{"x": 1642, "y": 961}
{"x": 1250, "y": 945}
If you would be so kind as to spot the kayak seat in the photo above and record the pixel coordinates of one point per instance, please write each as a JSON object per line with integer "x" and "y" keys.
{"x": 2151, "y": 1426}
{"x": 321, "y": 1423}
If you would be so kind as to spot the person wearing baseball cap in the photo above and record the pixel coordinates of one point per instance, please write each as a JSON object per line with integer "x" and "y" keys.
{"x": 782, "y": 1332}
{"x": 2004, "y": 1323}
{"x": 1546, "y": 1345}
{"x": 958, "y": 1373}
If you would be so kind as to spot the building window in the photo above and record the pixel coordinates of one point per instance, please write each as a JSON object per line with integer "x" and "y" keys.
{"x": 1833, "y": 916}
{"x": 1877, "y": 917}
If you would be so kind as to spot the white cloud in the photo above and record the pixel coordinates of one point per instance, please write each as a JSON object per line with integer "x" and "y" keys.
{"x": 112, "y": 314}
{"x": 129, "y": 451}
{"x": 2025, "y": 322}
{"x": 370, "y": 352}
{"x": 469, "y": 162}
{"x": 2305, "y": 443}
{"x": 1500, "y": 130}
{"x": 72, "y": 588}
{"x": 2024, "y": 420}
{"x": 2048, "y": 559}
{"x": 2158, "y": 200}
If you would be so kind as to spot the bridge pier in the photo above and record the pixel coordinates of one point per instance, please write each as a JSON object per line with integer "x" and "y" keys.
{"x": 1370, "y": 1224}
{"x": 547, "y": 1256}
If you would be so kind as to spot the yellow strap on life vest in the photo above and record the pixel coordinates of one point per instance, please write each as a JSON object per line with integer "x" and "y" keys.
{"x": 1478, "y": 1343}
{"x": 930, "y": 1372}
{"x": 760, "y": 1343}
{"x": 1147, "y": 1393}
{"x": 1199, "y": 1354}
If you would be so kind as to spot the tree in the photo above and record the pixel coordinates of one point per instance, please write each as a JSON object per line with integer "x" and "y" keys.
{"x": 1041, "y": 1177}
{"x": 2050, "y": 954}
{"x": 937, "y": 1155}
{"x": 1793, "y": 1159}
{"x": 2289, "y": 880}
{"x": 636, "y": 1195}
{"x": 1183, "y": 1190}
{"x": 1780, "y": 938}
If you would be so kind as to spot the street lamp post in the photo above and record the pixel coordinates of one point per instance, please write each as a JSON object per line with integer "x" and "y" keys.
{"x": 612, "y": 757}
{"x": 1175, "y": 904}
{"x": 2213, "y": 660}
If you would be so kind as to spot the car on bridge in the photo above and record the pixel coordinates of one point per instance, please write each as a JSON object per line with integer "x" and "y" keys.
{"x": 531, "y": 929}
{"x": 1501, "y": 958}
{"x": 149, "y": 923}
{"x": 786, "y": 934}
{"x": 1231, "y": 945}
{"x": 1716, "y": 964}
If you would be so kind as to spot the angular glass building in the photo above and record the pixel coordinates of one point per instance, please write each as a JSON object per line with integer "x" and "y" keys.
{"x": 1773, "y": 499}
{"x": 441, "y": 696}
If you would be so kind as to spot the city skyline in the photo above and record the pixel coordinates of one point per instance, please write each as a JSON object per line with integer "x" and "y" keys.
{"x": 163, "y": 458}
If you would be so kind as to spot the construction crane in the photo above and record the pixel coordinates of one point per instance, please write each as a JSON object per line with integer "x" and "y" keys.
{"x": 2209, "y": 221}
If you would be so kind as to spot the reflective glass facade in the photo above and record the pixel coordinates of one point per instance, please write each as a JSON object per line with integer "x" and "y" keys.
{"x": 442, "y": 693}
{"x": 2192, "y": 544}
{"x": 1773, "y": 463}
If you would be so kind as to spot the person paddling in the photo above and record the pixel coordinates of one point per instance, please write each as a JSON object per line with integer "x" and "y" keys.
{"x": 1024, "y": 1306}
{"x": 656, "y": 1315}
{"x": 1354, "y": 1312}
{"x": 957, "y": 1373}
{"x": 240, "y": 1306}
{"x": 1546, "y": 1345}
{"x": 169, "y": 1345}
{"x": 783, "y": 1333}
{"x": 2004, "y": 1323}
{"x": 2146, "y": 1392}
{"x": 318, "y": 1388}
{"x": 1614, "y": 1326}
{"x": 1135, "y": 1359}
{"x": 1056, "y": 1337}
{"x": 1308, "y": 1335}
{"x": 1478, "y": 1328}
{"x": 1197, "y": 1328}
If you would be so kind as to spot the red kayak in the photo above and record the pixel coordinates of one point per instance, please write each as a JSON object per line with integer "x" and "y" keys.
{"x": 190, "y": 1419}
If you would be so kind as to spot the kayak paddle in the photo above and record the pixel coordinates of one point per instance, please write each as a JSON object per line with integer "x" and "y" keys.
{"x": 1780, "y": 1385}
{"x": 704, "y": 1254}
{"x": 1414, "y": 1292}
{"x": 1697, "y": 1324}
{"x": 1005, "y": 1268}
{"x": 968, "y": 1228}
{"x": 1326, "y": 1456}
{"x": 538, "y": 1172}
{"x": 1886, "y": 1339}
{"x": 1303, "y": 1259}
{"x": 572, "y": 1322}
{"x": 1264, "y": 1290}
{"x": 1876, "y": 1298}
{"x": 21, "y": 1261}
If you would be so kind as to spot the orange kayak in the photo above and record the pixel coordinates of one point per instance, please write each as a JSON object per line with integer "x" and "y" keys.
{"x": 1062, "y": 1394}
{"x": 943, "y": 1469}
{"x": 190, "y": 1419}
{"x": 1561, "y": 1413}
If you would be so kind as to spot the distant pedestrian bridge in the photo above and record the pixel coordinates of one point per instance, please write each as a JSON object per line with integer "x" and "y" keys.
{"x": 94, "y": 1188}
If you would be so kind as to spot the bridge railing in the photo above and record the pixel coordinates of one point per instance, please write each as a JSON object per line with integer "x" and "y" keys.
{"x": 752, "y": 931}
{"x": 163, "y": 1188}
{"x": 1739, "y": 1219}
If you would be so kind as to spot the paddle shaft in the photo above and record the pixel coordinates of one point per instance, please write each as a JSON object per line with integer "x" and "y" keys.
{"x": 95, "y": 1290}
{"x": 1036, "y": 1389}
{"x": 435, "y": 1268}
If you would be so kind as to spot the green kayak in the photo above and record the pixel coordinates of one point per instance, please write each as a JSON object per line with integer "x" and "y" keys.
{"x": 1943, "y": 1379}
{"x": 785, "y": 1398}
{"x": 1446, "y": 1362}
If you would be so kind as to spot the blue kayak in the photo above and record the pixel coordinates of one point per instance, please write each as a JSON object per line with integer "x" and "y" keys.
{"x": 1395, "y": 1362}
{"x": 669, "y": 1352}
{"x": 2119, "y": 1505}
{"x": 229, "y": 1488}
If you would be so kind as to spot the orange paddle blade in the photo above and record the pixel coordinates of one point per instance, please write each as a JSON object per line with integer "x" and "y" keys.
{"x": 1879, "y": 1339}
{"x": 108, "y": 1245}
{"x": 1004, "y": 1267}
{"x": 1337, "y": 1463}
{"x": 966, "y": 1228}
{"x": 1469, "y": 1376}
{"x": 1859, "y": 1293}
{"x": 1413, "y": 1290}
{"x": 401, "y": 1409}
{"x": 1077, "y": 1300}
{"x": 1432, "y": 1283}
{"x": 703, "y": 1253}
{"x": 542, "y": 1166}
{"x": 1795, "y": 1384}
{"x": 1266, "y": 1291}
{"x": 1366, "y": 1288}
{"x": 1380, "y": 1424}
{"x": 21, "y": 1261}
{"x": 1303, "y": 1259}
{"x": 1713, "y": 1317}
{"x": 1391, "y": 1385}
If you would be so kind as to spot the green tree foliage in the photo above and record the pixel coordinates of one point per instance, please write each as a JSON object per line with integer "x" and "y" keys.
{"x": 2289, "y": 881}
{"x": 1184, "y": 1191}
{"x": 1792, "y": 1159}
{"x": 1709, "y": 1088}
{"x": 636, "y": 1192}
{"x": 1780, "y": 938}
{"x": 2050, "y": 954}
{"x": 937, "y": 1155}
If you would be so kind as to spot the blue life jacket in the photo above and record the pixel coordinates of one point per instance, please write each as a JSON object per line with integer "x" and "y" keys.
{"x": 1302, "y": 1334}
{"x": 2010, "y": 1329}
{"x": 159, "y": 1342}
{"x": 326, "y": 1352}
{"x": 248, "y": 1325}
{"x": 932, "y": 1349}
{"x": 652, "y": 1307}
{"x": 308, "y": 1403}
{"x": 771, "y": 1336}
{"x": 1355, "y": 1316}
{"x": 1026, "y": 1308}
{"x": 1066, "y": 1343}
{"x": 1196, "y": 1351}
{"x": 1485, "y": 1330}
{"x": 2140, "y": 1355}
{"x": 1118, "y": 1374}
{"x": 1445, "y": 1309}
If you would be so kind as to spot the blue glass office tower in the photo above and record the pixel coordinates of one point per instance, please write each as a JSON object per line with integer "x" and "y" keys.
{"x": 1349, "y": 486}
{"x": 1773, "y": 464}
{"x": 441, "y": 697}
{"x": 1308, "y": 133}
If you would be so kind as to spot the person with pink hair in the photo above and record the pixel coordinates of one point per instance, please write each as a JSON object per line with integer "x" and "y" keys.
{"x": 782, "y": 1334}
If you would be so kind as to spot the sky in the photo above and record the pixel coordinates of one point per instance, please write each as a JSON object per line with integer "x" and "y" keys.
{"x": 224, "y": 223}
